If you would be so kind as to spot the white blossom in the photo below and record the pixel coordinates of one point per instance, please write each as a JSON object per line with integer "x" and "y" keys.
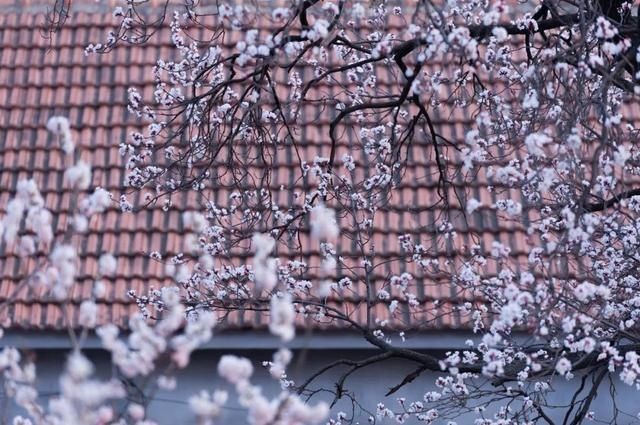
{"x": 235, "y": 369}
{"x": 88, "y": 316}
{"x": 264, "y": 267}
{"x": 536, "y": 143}
{"x": 60, "y": 126}
{"x": 79, "y": 175}
{"x": 473, "y": 205}
{"x": 323, "y": 223}
{"x": 282, "y": 317}
{"x": 107, "y": 265}
{"x": 563, "y": 366}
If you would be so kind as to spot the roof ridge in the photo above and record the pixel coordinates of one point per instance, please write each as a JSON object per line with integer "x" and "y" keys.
{"x": 93, "y": 6}
{"x": 38, "y": 6}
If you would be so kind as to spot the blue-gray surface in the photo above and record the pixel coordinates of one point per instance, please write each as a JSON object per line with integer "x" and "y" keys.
{"x": 368, "y": 385}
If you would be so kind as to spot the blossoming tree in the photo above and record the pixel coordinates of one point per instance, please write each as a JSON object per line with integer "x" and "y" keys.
{"x": 549, "y": 94}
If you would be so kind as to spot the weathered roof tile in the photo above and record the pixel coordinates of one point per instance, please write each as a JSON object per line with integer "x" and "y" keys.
{"x": 47, "y": 77}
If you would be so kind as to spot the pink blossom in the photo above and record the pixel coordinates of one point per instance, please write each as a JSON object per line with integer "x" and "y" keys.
{"x": 282, "y": 317}
{"x": 235, "y": 369}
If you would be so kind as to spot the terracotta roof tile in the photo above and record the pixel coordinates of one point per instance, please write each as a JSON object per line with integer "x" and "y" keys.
{"x": 39, "y": 82}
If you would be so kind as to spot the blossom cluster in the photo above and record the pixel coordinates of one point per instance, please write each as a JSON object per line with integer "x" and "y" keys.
{"x": 545, "y": 155}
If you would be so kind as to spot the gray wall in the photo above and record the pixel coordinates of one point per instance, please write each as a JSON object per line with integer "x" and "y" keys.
{"x": 311, "y": 352}
{"x": 367, "y": 385}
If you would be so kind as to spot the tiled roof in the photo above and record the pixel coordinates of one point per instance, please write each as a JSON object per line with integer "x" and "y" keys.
{"x": 40, "y": 78}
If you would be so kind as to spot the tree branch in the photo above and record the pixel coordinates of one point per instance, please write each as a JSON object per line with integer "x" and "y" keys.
{"x": 482, "y": 31}
{"x": 608, "y": 203}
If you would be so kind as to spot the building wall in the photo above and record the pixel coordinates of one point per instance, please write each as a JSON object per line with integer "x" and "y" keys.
{"x": 368, "y": 385}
